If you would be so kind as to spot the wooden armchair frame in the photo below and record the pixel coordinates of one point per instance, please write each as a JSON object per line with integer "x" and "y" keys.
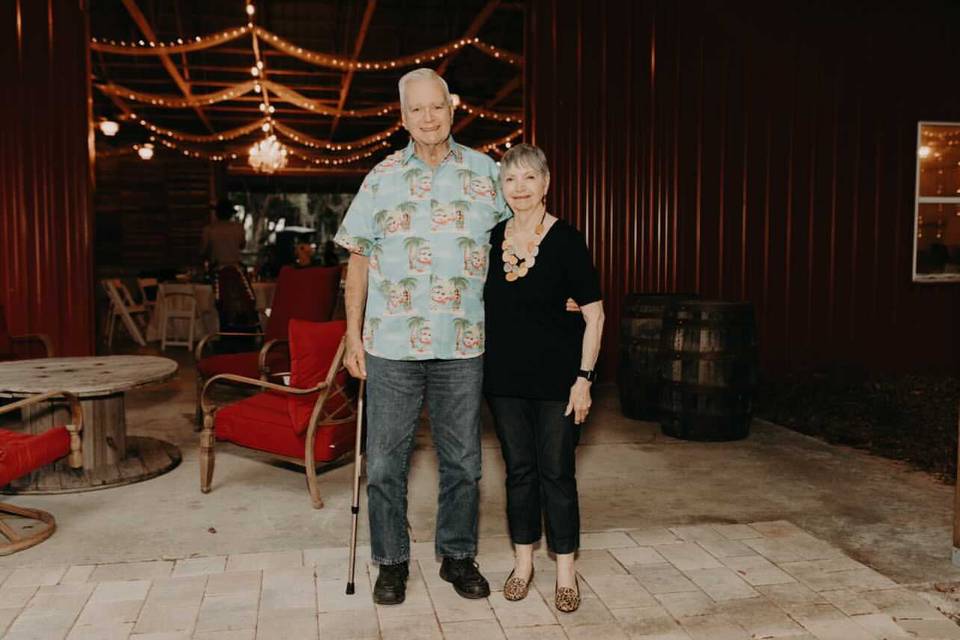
{"x": 42, "y": 338}
{"x": 15, "y": 541}
{"x": 345, "y": 413}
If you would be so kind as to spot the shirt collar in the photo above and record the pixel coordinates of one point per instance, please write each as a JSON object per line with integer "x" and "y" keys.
{"x": 455, "y": 149}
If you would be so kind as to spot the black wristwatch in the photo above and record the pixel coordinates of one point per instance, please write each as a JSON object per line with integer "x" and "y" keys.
{"x": 588, "y": 375}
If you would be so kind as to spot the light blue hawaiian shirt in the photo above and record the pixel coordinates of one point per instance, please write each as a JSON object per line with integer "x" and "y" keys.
{"x": 427, "y": 234}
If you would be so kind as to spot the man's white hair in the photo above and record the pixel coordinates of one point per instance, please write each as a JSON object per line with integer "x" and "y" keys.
{"x": 422, "y": 73}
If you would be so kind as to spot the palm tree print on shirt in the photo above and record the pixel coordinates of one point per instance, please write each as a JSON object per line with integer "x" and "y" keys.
{"x": 421, "y": 338}
{"x": 376, "y": 251}
{"x": 465, "y": 175}
{"x": 399, "y": 295}
{"x": 395, "y": 221}
{"x": 418, "y": 182}
{"x": 419, "y": 256}
{"x": 469, "y": 336}
{"x": 446, "y": 295}
{"x": 370, "y": 326}
{"x": 449, "y": 217}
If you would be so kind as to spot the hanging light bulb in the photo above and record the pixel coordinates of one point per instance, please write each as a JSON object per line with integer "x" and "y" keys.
{"x": 145, "y": 151}
{"x": 251, "y": 9}
{"x": 109, "y": 127}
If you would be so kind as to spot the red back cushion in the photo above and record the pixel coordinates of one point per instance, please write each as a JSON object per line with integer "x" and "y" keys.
{"x": 5, "y": 346}
{"x": 313, "y": 346}
{"x": 303, "y": 294}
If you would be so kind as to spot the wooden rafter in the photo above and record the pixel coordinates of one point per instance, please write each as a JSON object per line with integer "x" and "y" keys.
{"x": 505, "y": 91}
{"x": 117, "y": 101}
{"x": 148, "y": 33}
{"x": 472, "y": 31}
{"x": 357, "y": 48}
{"x": 183, "y": 55}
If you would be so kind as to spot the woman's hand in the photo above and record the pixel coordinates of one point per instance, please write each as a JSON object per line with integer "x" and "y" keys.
{"x": 580, "y": 400}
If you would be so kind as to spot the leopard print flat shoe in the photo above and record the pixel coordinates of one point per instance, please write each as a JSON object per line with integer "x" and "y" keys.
{"x": 567, "y": 600}
{"x": 516, "y": 588}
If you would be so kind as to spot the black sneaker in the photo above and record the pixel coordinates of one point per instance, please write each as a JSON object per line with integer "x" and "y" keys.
{"x": 391, "y": 586}
{"x": 465, "y": 576}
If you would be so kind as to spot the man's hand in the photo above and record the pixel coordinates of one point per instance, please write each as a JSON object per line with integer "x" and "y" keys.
{"x": 353, "y": 358}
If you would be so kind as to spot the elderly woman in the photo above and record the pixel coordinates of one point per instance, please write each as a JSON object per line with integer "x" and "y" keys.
{"x": 539, "y": 367}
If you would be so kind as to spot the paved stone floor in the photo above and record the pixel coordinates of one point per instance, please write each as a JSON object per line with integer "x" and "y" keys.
{"x": 700, "y": 582}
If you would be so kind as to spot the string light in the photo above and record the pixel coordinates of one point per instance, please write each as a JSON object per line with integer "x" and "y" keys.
{"x": 178, "y": 102}
{"x": 316, "y": 143}
{"x": 109, "y": 128}
{"x": 269, "y": 154}
{"x": 288, "y": 95}
{"x": 428, "y": 55}
{"x": 231, "y": 134}
{"x": 143, "y": 48}
{"x": 490, "y": 146}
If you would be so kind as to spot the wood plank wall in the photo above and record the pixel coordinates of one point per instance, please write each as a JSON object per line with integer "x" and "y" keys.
{"x": 150, "y": 214}
{"x": 753, "y": 151}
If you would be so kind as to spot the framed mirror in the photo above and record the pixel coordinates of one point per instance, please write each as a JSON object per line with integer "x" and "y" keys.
{"x": 936, "y": 228}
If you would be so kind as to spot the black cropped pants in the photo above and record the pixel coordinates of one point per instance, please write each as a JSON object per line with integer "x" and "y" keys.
{"x": 539, "y": 445}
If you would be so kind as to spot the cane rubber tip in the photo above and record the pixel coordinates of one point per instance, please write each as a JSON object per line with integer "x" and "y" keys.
{"x": 349, "y": 588}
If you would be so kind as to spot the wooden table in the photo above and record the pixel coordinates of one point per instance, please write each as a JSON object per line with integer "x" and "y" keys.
{"x": 110, "y": 456}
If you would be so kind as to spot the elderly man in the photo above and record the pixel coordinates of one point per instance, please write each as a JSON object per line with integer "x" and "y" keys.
{"x": 415, "y": 231}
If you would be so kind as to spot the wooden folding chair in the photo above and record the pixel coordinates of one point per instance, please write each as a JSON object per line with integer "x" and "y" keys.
{"x": 123, "y": 306}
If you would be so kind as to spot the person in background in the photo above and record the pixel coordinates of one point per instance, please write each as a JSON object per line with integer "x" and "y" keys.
{"x": 539, "y": 367}
{"x": 223, "y": 239}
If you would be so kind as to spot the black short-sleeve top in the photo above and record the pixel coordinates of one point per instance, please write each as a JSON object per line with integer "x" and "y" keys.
{"x": 533, "y": 344}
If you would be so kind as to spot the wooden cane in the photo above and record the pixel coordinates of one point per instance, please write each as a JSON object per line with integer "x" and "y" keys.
{"x": 355, "y": 505}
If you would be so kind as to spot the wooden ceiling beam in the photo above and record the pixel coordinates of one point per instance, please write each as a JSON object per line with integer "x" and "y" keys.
{"x": 144, "y": 25}
{"x": 472, "y": 32}
{"x": 357, "y": 48}
{"x": 505, "y": 91}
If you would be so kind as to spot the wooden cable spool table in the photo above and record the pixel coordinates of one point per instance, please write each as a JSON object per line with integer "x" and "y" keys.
{"x": 110, "y": 456}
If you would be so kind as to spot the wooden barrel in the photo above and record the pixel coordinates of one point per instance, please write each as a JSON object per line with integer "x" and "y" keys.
{"x": 709, "y": 370}
{"x": 638, "y": 377}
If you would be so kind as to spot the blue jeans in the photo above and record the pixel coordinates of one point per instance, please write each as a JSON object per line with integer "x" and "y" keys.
{"x": 395, "y": 393}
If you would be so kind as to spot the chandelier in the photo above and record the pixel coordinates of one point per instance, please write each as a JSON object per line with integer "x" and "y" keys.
{"x": 268, "y": 155}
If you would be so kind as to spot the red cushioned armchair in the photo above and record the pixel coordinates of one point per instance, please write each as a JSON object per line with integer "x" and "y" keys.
{"x": 305, "y": 294}
{"x": 22, "y": 347}
{"x": 311, "y": 421}
{"x": 21, "y": 453}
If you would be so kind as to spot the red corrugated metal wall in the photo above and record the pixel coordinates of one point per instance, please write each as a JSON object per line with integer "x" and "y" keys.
{"x": 46, "y": 223}
{"x": 753, "y": 151}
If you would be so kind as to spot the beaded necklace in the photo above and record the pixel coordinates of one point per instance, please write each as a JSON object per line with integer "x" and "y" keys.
{"x": 514, "y": 266}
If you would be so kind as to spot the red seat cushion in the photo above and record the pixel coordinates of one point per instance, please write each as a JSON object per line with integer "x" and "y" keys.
{"x": 21, "y": 453}
{"x": 242, "y": 364}
{"x": 262, "y": 422}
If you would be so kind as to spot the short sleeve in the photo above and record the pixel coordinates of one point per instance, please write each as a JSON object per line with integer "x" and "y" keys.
{"x": 501, "y": 211}
{"x": 358, "y": 232}
{"x": 581, "y": 275}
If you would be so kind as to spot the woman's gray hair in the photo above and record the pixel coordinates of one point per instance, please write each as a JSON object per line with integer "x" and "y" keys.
{"x": 525, "y": 155}
{"x": 422, "y": 73}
